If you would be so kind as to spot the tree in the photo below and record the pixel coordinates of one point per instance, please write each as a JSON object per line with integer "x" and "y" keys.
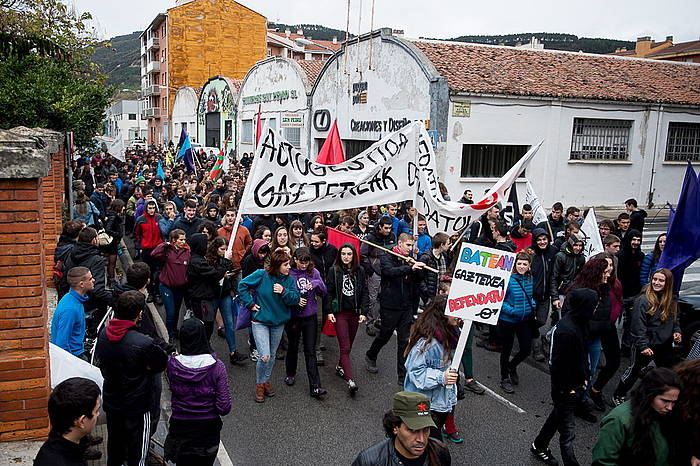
{"x": 46, "y": 77}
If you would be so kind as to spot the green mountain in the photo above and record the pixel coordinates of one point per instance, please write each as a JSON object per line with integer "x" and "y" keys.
{"x": 119, "y": 59}
{"x": 552, "y": 41}
{"x": 315, "y": 31}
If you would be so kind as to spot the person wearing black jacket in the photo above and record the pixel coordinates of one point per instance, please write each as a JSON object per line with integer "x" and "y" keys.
{"x": 629, "y": 264}
{"x": 86, "y": 253}
{"x": 66, "y": 243}
{"x": 114, "y": 226}
{"x": 569, "y": 376}
{"x": 323, "y": 255}
{"x": 542, "y": 267}
{"x": 188, "y": 222}
{"x": 204, "y": 272}
{"x": 398, "y": 301}
{"x": 637, "y": 215}
{"x": 555, "y": 223}
{"x": 128, "y": 360}
{"x": 435, "y": 258}
{"x": 370, "y": 261}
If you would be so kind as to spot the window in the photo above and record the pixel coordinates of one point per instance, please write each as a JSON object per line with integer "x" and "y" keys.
{"x": 489, "y": 160}
{"x": 683, "y": 142}
{"x": 598, "y": 139}
{"x": 132, "y": 116}
{"x": 352, "y": 147}
{"x": 293, "y": 135}
{"x": 247, "y": 132}
{"x": 272, "y": 122}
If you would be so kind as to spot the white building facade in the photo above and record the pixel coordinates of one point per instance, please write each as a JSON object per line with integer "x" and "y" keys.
{"x": 216, "y": 111}
{"x": 185, "y": 113}
{"x": 279, "y": 88}
{"x": 124, "y": 121}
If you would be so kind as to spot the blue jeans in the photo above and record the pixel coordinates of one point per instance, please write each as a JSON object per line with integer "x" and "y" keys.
{"x": 229, "y": 314}
{"x": 267, "y": 339}
{"x": 172, "y": 300}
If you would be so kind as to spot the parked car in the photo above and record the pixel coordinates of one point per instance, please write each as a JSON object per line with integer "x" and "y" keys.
{"x": 689, "y": 316}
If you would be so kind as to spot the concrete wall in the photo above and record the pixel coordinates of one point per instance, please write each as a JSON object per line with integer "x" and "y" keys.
{"x": 278, "y": 86}
{"x": 397, "y": 91}
{"x": 498, "y": 120}
{"x": 184, "y": 111}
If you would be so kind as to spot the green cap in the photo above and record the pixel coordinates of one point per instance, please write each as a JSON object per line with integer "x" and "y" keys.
{"x": 139, "y": 179}
{"x": 413, "y": 409}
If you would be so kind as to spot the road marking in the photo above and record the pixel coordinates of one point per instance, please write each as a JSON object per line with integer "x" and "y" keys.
{"x": 222, "y": 456}
{"x": 502, "y": 400}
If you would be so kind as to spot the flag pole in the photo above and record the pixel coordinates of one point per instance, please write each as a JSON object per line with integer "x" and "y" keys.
{"x": 406, "y": 258}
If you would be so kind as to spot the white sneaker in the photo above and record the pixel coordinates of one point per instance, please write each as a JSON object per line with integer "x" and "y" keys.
{"x": 254, "y": 355}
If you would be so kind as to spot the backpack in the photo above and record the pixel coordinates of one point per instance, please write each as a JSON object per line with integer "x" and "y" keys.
{"x": 60, "y": 270}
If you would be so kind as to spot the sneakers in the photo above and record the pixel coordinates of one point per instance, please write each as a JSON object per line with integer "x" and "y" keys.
{"x": 514, "y": 376}
{"x": 618, "y": 400}
{"x": 280, "y": 354}
{"x": 506, "y": 386}
{"x": 237, "y": 358}
{"x": 340, "y": 372}
{"x": 473, "y": 386}
{"x": 318, "y": 392}
{"x": 454, "y": 437}
{"x": 290, "y": 380}
{"x": 221, "y": 332}
{"x": 597, "y": 400}
{"x": 544, "y": 455}
{"x": 254, "y": 355}
{"x": 371, "y": 330}
{"x": 352, "y": 387}
{"x": 320, "y": 360}
{"x": 371, "y": 365}
{"x": 539, "y": 356}
{"x": 484, "y": 343}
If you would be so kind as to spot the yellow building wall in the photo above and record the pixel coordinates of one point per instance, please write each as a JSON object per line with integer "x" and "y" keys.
{"x": 212, "y": 37}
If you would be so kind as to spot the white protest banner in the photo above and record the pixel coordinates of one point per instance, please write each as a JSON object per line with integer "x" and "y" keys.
{"x": 479, "y": 283}
{"x": 116, "y": 148}
{"x": 399, "y": 167}
{"x": 539, "y": 214}
{"x": 593, "y": 244}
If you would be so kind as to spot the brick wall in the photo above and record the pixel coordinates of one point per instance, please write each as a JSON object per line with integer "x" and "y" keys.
{"x": 24, "y": 372}
{"x": 53, "y": 190}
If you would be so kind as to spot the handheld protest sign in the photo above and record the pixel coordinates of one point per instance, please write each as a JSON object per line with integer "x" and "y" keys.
{"x": 479, "y": 283}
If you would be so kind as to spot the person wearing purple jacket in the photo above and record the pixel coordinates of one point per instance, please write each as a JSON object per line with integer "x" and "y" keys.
{"x": 200, "y": 396}
{"x": 303, "y": 322}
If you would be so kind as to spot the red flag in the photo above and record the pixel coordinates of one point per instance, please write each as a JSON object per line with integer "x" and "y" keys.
{"x": 338, "y": 238}
{"x": 332, "y": 151}
{"x": 258, "y": 127}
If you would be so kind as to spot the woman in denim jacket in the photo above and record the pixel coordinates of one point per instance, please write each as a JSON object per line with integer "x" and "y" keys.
{"x": 428, "y": 357}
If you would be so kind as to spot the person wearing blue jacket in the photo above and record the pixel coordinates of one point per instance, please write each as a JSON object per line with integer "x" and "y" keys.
{"x": 651, "y": 260}
{"x": 515, "y": 319}
{"x": 68, "y": 323}
{"x": 428, "y": 356}
{"x": 269, "y": 294}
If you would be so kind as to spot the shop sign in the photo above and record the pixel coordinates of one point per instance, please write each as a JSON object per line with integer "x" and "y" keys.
{"x": 381, "y": 126}
{"x": 461, "y": 109}
{"x": 292, "y": 120}
{"x": 322, "y": 120}
{"x": 276, "y": 96}
{"x": 359, "y": 93}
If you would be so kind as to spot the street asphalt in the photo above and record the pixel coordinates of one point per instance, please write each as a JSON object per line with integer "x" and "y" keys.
{"x": 292, "y": 428}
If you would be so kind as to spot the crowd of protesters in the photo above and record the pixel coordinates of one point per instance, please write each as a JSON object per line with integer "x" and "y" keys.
{"x": 284, "y": 277}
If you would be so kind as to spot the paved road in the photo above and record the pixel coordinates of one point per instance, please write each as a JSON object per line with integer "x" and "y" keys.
{"x": 293, "y": 428}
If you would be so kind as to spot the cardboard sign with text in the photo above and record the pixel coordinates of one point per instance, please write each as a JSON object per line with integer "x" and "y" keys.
{"x": 479, "y": 283}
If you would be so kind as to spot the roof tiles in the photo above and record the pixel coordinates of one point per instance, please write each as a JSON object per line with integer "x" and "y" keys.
{"x": 509, "y": 71}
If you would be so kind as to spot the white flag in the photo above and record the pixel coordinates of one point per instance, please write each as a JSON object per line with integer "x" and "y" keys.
{"x": 399, "y": 167}
{"x": 538, "y": 213}
{"x": 594, "y": 244}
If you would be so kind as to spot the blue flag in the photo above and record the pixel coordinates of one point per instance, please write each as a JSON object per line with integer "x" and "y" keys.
{"x": 186, "y": 150}
{"x": 683, "y": 236}
{"x": 160, "y": 171}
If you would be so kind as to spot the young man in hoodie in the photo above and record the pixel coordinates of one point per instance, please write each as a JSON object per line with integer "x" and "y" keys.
{"x": 569, "y": 377}
{"x": 68, "y": 323}
{"x": 542, "y": 267}
{"x": 555, "y": 221}
{"x": 128, "y": 362}
{"x": 629, "y": 264}
{"x": 567, "y": 264}
{"x": 148, "y": 236}
{"x": 188, "y": 222}
{"x": 636, "y": 214}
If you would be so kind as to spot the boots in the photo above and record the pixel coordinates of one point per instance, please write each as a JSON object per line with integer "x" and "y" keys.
{"x": 268, "y": 389}
{"x": 259, "y": 393}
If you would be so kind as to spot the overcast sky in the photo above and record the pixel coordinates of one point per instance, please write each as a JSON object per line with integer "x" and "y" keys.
{"x": 616, "y": 19}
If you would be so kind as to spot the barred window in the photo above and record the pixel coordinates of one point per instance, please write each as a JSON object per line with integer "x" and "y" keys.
{"x": 247, "y": 132}
{"x": 683, "y": 142}
{"x": 599, "y": 139}
{"x": 293, "y": 135}
{"x": 489, "y": 160}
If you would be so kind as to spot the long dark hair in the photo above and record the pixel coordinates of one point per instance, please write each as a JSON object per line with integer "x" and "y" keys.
{"x": 654, "y": 383}
{"x": 431, "y": 324}
{"x": 353, "y": 264}
{"x": 657, "y": 249}
{"x": 212, "y": 255}
{"x": 590, "y": 275}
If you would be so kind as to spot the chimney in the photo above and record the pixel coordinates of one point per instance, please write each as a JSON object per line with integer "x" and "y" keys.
{"x": 335, "y": 39}
{"x": 287, "y": 33}
{"x": 669, "y": 39}
{"x": 643, "y": 46}
{"x": 300, "y": 31}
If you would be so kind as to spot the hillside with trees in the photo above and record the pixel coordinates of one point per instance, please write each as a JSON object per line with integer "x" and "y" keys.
{"x": 552, "y": 41}
{"x": 119, "y": 60}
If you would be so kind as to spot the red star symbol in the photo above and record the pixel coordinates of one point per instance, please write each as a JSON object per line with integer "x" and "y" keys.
{"x": 422, "y": 407}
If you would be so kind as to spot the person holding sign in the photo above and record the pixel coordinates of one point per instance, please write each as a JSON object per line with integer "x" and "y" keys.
{"x": 514, "y": 319}
{"x": 398, "y": 299}
{"x": 428, "y": 357}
